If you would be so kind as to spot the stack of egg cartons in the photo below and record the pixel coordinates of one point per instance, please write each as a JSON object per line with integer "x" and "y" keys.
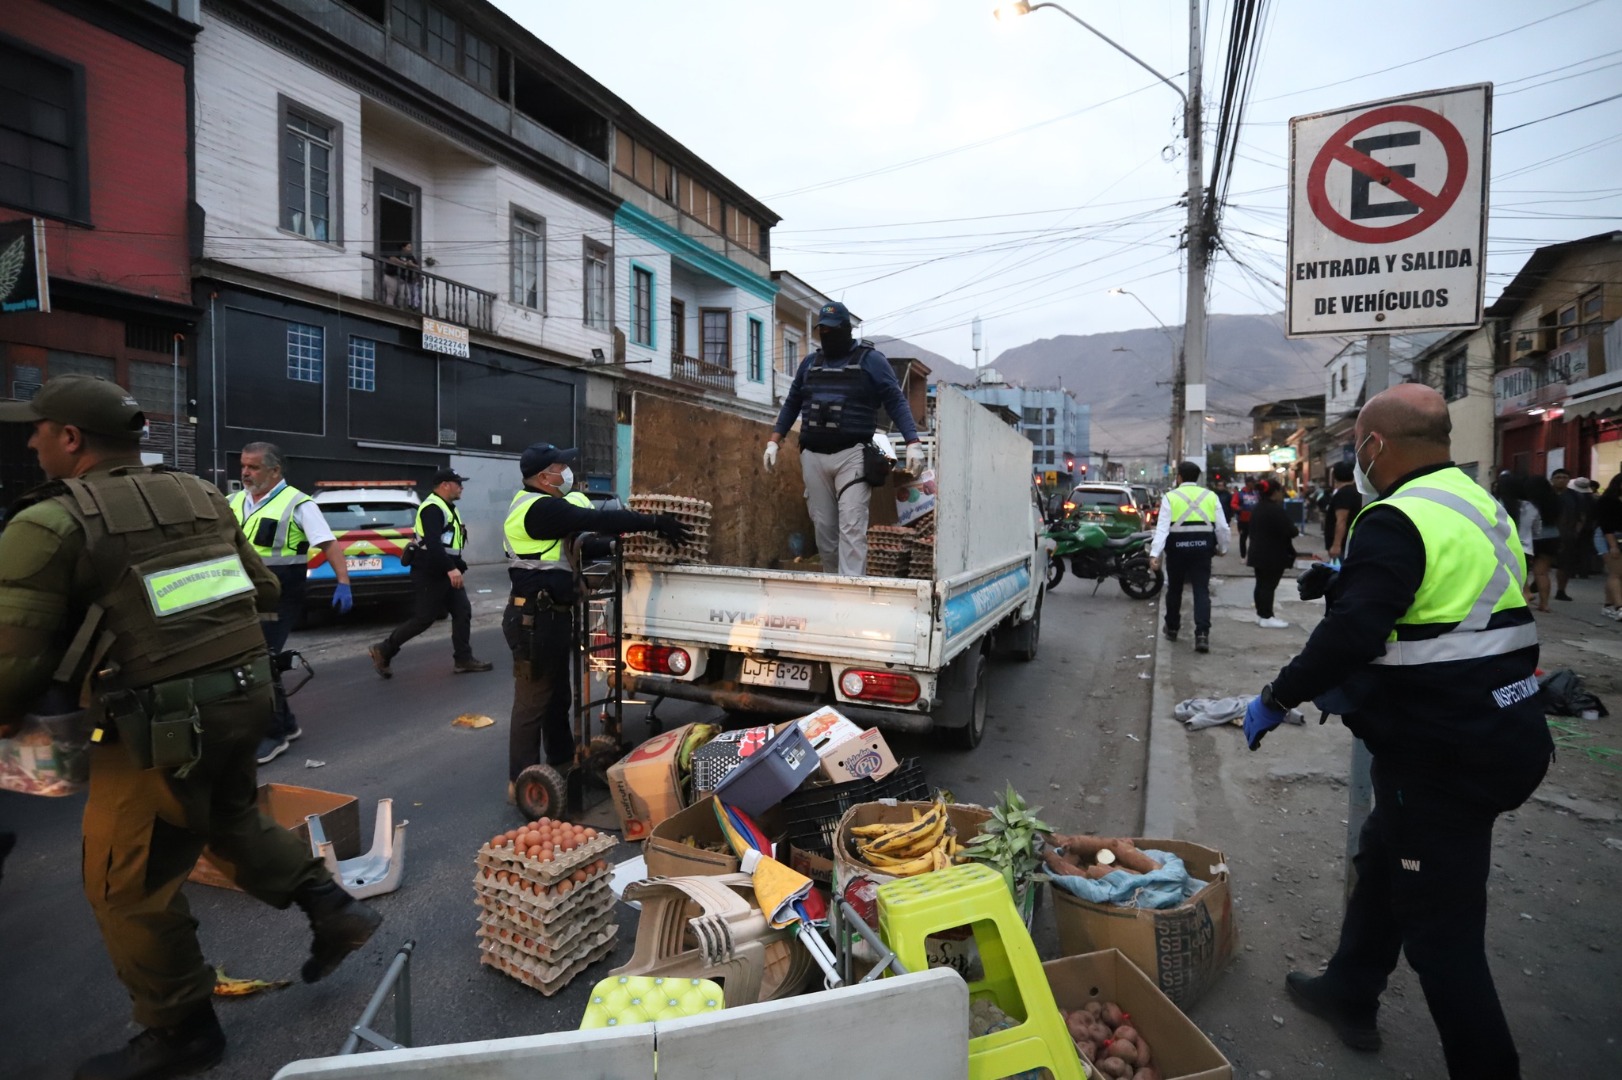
{"x": 693, "y": 513}
{"x": 546, "y": 911}
{"x": 887, "y": 550}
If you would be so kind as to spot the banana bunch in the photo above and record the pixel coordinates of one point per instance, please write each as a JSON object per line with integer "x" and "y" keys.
{"x": 902, "y": 849}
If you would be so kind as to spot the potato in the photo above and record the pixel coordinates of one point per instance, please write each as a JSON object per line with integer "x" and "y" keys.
{"x": 1114, "y": 1066}
{"x": 1099, "y": 1033}
{"x": 1078, "y": 1023}
{"x": 1093, "y": 1008}
{"x": 1127, "y": 1031}
{"x": 1113, "y": 1015}
{"x": 1087, "y": 1048}
{"x": 1146, "y": 1073}
{"x": 1125, "y": 1049}
{"x": 1144, "y": 1056}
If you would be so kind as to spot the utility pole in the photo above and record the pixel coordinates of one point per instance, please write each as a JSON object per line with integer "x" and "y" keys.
{"x": 1188, "y": 396}
{"x": 1179, "y": 406}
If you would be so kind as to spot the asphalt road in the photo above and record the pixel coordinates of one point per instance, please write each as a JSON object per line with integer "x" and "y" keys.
{"x": 1066, "y": 730}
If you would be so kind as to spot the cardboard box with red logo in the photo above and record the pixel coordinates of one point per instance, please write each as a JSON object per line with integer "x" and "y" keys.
{"x": 645, "y": 784}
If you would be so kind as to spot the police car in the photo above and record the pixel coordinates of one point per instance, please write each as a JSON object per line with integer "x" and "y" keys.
{"x": 374, "y": 520}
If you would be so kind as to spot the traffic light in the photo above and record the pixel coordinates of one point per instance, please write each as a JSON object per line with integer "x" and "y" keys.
{"x": 1084, "y": 469}
{"x": 1069, "y": 464}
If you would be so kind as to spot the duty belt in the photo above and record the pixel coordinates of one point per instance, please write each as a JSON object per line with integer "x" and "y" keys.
{"x": 226, "y": 682}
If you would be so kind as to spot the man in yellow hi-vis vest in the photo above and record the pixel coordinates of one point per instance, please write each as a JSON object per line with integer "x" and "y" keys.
{"x": 1190, "y": 530}
{"x": 1429, "y": 653}
{"x": 436, "y": 576}
{"x": 129, "y": 601}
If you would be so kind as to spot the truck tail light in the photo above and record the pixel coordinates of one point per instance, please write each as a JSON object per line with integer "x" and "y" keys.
{"x": 889, "y": 687}
{"x": 659, "y": 659}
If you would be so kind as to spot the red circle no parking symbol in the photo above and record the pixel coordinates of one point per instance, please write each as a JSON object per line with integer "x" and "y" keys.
{"x": 1429, "y": 206}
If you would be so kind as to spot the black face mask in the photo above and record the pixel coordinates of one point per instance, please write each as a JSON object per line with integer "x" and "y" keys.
{"x": 836, "y": 341}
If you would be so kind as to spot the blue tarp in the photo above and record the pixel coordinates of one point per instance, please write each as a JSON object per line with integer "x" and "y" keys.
{"x": 1163, "y": 888}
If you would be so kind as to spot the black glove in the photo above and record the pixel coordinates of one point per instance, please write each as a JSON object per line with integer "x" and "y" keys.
{"x": 670, "y": 529}
{"x": 1316, "y": 580}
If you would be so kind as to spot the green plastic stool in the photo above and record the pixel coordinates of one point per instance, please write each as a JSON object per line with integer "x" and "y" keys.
{"x": 640, "y": 999}
{"x": 911, "y": 909}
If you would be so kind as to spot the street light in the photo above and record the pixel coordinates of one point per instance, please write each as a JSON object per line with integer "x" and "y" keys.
{"x": 1191, "y": 378}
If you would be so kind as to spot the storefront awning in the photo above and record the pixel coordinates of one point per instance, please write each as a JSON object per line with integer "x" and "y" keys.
{"x": 1595, "y": 400}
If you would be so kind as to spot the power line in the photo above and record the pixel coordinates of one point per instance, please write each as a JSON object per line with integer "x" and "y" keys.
{"x": 1563, "y": 112}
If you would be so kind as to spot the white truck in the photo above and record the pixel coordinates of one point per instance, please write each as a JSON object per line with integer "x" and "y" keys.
{"x": 897, "y": 653}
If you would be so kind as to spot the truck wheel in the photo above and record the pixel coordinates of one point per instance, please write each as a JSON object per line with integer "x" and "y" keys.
{"x": 961, "y": 715}
{"x": 1023, "y": 638}
{"x": 1055, "y": 571}
{"x": 1140, "y": 582}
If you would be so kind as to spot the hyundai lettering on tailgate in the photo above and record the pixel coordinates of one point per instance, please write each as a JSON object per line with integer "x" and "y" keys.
{"x": 755, "y": 618}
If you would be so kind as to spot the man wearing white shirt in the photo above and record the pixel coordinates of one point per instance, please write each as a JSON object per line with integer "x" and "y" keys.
{"x": 1191, "y": 530}
{"x": 282, "y": 523}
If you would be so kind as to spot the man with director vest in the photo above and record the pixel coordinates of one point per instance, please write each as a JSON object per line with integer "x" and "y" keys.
{"x": 1429, "y": 654}
{"x": 1190, "y": 530}
{"x": 437, "y": 567}
{"x": 836, "y": 395}
{"x": 282, "y": 523}
{"x": 545, "y": 515}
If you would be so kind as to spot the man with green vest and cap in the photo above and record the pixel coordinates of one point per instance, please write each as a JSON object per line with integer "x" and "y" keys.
{"x": 1190, "y": 530}
{"x": 128, "y": 592}
{"x": 437, "y": 567}
{"x": 1429, "y": 654}
{"x": 545, "y": 515}
{"x": 283, "y": 524}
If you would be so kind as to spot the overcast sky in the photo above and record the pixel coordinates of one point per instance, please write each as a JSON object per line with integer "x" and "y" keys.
{"x": 931, "y": 163}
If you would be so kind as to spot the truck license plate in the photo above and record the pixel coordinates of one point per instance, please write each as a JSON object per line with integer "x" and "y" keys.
{"x": 793, "y": 674}
{"x": 364, "y": 562}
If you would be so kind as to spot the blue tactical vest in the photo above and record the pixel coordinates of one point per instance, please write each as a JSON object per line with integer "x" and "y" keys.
{"x": 841, "y": 409}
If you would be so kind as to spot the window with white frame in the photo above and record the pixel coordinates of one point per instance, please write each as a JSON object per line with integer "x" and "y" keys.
{"x": 306, "y": 352}
{"x": 529, "y": 261}
{"x": 791, "y": 352}
{"x": 641, "y": 306}
{"x": 757, "y": 350}
{"x": 362, "y": 364}
{"x": 310, "y": 173}
{"x": 598, "y": 289}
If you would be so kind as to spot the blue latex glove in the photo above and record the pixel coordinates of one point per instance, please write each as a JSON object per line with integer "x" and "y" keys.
{"x": 1260, "y": 718}
{"x": 342, "y": 598}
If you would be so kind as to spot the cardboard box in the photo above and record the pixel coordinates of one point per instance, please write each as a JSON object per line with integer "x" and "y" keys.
{"x": 857, "y": 882}
{"x": 288, "y": 806}
{"x": 666, "y": 855}
{"x": 645, "y": 785}
{"x": 1181, "y": 1050}
{"x": 1183, "y": 949}
{"x": 819, "y": 868}
{"x": 827, "y": 728}
{"x": 866, "y": 756}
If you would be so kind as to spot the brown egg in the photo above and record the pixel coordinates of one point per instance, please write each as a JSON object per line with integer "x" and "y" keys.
{"x": 564, "y": 886}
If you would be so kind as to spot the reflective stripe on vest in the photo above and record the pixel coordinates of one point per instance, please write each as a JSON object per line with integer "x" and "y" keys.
{"x": 1205, "y": 505}
{"x": 1474, "y": 568}
{"x": 515, "y": 538}
{"x": 454, "y": 536}
{"x": 289, "y": 547}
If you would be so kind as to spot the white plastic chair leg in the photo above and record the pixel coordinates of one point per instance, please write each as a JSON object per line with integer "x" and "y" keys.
{"x": 379, "y": 870}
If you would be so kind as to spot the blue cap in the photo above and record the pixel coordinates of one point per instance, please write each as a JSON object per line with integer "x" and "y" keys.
{"x": 539, "y": 455}
{"x": 833, "y": 313}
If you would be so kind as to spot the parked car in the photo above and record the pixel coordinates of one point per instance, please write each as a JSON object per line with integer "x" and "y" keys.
{"x": 1148, "y": 503}
{"x": 374, "y": 521}
{"x": 1112, "y": 507}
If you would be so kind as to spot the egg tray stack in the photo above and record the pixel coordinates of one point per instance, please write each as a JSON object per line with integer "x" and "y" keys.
{"x": 921, "y": 560}
{"x": 693, "y": 513}
{"x": 538, "y": 922}
{"x": 888, "y": 548}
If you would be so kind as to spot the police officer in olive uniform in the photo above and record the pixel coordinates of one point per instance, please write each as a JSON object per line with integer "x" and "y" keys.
{"x": 132, "y": 589}
{"x": 437, "y": 567}
{"x": 836, "y": 396}
{"x": 282, "y": 523}
{"x": 1429, "y": 653}
{"x": 538, "y": 622}
{"x": 1189, "y": 531}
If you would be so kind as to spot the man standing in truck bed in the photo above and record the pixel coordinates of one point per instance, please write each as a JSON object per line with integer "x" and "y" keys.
{"x": 836, "y": 395}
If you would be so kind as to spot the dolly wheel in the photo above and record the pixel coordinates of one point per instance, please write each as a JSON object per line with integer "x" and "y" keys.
{"x": 540, "y": 792}
{"x": 603, "y": 751}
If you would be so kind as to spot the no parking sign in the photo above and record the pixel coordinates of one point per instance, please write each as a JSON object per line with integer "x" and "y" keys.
{"x": 1388, "y": 214}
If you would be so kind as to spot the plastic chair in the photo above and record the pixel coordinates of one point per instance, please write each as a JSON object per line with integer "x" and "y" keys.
{"x": 911, "y": 909}
{"x": 374, "y": 873}
{"x": 641, "y": 999}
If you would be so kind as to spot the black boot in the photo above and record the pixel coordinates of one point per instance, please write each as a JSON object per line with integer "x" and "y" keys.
{"x": 190, "y": 1046}
{"x": 8, "y": 840}
{"x": 341, "y": 923}
{"x": 1354, "y": 1026}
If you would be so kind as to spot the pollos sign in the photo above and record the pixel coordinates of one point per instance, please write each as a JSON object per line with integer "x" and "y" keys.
{"x": 1388, "y": 214}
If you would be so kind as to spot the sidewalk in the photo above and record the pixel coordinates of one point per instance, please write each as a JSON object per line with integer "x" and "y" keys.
{"x": 1279, "y": 816}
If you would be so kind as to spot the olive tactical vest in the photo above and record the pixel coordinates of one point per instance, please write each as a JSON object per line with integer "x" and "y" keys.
{"x": 173, "y": 595}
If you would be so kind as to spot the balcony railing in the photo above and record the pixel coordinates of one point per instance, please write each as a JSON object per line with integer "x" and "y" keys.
{"x": 691, "y": 369}
{"x": 413, "y": 289}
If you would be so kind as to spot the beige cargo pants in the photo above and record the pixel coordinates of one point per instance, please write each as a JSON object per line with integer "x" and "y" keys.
{"x": 841, "y": 523}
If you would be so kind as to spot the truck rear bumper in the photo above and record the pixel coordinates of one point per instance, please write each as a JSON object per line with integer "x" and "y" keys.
{"x": 738, "y": 698}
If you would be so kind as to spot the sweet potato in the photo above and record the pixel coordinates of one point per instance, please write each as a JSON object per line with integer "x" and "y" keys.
{"x": 1114, "y": 1066}
{"x": 1081, "y": 849}
{"x": 1130, "y": 858}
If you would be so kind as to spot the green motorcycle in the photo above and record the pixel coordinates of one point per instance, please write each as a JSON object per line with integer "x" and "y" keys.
{"x": 1093, "y": 553}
